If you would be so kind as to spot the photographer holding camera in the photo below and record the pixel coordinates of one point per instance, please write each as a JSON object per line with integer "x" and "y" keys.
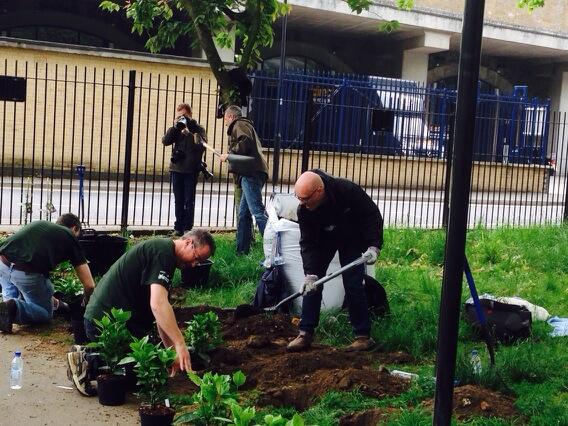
{"x": 185, "y": 136}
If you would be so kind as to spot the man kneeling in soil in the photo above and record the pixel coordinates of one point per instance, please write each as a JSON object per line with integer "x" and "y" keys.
{"x": 139, "y": 282}
{"x": 27, "y": 258}
{"x": 335, "y": 215}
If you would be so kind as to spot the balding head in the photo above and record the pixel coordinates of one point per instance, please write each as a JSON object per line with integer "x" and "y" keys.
{"x": 309, "y": 190}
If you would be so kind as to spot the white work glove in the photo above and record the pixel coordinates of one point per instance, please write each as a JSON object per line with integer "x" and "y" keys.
{"x": 309, "y": 284}
{"x": 371, "y": 255}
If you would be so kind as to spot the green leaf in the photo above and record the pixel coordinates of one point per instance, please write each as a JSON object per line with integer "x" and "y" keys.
{"x": 530, "y": 4}
{"x": 389, "y": 26}
{"x": 109, "y": 6}
{"x": 239, "y": 378}
{"x": 405, "y": 4}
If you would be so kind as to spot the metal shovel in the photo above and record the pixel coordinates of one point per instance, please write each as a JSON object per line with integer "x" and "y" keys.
{"x": 243, "y": 311}
{"x": 239, "y": 163}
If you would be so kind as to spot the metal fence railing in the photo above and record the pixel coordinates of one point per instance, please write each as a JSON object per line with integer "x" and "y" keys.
{"x": 393, "y": 137}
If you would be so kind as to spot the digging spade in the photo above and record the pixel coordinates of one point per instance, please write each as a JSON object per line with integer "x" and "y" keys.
{"x": 239, "y": 163}
{"x": 244, "y": 311}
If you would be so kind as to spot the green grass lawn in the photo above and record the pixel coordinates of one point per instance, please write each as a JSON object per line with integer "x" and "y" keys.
{"x": 529, "y": 263}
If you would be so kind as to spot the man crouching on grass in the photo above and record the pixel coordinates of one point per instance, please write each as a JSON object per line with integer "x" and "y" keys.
{"x": 27, "y": 258}
{"x": 139, "y": 282}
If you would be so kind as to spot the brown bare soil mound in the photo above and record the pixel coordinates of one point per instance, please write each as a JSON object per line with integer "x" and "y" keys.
{"x": 375, "y": 416}
{"x": 471, "y": 400}
{"x": 257, "y": 346}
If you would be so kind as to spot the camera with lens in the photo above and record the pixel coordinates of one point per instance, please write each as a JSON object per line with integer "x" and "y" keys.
{"x": 188, "y": 123}
{"x": 181, "y": 123}
{"x": 177, "y": 155}
{"x": 203, "y": 169}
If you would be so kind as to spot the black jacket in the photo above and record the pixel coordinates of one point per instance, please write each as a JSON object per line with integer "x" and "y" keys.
{"x": 348, "y": 217}
{"x": 190, "y": 145}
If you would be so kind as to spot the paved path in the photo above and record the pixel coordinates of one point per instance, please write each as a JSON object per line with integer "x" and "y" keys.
{"x": 151, "y": 204}
{"x": 47, "y": 397}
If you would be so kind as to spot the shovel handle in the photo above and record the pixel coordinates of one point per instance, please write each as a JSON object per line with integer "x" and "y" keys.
{"x": 210, "y": 148}
{"x": 321, "y": 281}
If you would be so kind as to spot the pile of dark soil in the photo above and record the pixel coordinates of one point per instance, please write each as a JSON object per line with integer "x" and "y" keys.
{"x": 257, "y": 346}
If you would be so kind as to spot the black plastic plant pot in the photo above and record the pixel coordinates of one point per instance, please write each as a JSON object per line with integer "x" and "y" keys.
{"x": 197, "y": 276}
{"x": 101, "y": 250}
{"x": 158, "y": 416}
{"x": 79, "y": 334}
{"x": 111, "y": 389}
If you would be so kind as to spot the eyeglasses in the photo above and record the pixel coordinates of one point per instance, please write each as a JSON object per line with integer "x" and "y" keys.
{"x": 307, "y": 198}
{"x": 198, "y": 258}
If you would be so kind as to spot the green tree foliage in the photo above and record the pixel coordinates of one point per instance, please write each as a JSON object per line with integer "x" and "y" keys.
{"x": 211, "y": 22}
{"x": 207, "y": 22}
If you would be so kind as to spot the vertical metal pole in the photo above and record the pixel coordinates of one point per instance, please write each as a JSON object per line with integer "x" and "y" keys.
{"x": 464, "y": 128}
{"x": 308, "y": 130}
{"x": 278, "y": 136}
{"x": 128, "y": 151}
{"x": 447, "y": 181}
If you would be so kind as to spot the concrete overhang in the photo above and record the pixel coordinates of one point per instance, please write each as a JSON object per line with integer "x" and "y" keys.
{"x": 499, "y": 39}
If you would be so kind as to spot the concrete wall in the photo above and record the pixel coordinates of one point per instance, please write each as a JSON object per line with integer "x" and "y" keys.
{"x": 553, "y": 16}
{"x": 76, "y": 105}
{"x": 417, "y": 173}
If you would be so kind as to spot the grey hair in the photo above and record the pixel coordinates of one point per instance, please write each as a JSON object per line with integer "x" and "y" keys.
{"x": 234, "y": 110}
{"x": 201, "y": 238}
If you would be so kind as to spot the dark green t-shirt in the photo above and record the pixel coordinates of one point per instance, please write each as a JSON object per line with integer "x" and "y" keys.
{"x": 126, "y": 285}
{"x": 43, "y": 245}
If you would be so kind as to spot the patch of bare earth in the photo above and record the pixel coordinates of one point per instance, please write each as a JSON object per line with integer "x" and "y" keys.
{"x": 257, "y": 346}
{"x": 471, "y": 401}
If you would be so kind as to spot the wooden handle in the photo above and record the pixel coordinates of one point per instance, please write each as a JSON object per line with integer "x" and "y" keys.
{"x": 213, "y": 150}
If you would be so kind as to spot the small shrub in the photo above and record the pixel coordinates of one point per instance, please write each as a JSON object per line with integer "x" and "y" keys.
{"x": 114, "y": 338}
{"x": 212, "y": 402}
{"x": 203, "y": 334}
{"x": 152, "y": 364}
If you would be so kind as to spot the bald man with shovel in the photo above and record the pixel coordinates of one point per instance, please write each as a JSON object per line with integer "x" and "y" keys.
{"x": 335, "y": 214}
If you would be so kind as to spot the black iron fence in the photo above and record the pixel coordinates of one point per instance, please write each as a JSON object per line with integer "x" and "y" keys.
{"x": 394, "y": 139}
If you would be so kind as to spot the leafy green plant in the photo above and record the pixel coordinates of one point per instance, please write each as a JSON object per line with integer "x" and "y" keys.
{"x": 203, "y": 334}
{"x": 152, "y": 364}
{"x": 114, "y": 338}
{"x": 65, "y": 281}
{"x": 211, "y": 404}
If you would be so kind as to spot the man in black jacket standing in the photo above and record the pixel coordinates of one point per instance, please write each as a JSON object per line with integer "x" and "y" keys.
{"x": 185, "y": 136}
{"x": 335, "y": 214}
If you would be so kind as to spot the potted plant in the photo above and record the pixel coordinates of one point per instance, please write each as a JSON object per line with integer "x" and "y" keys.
{"x": 112, "y": 344}
{"x": 151, "y": 368}
{"x": 69, "y": 289}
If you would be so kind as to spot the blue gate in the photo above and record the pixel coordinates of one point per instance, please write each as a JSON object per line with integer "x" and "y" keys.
{"x": 375, "y": 115}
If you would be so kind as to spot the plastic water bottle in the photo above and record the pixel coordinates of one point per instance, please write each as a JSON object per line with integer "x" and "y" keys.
{"x": 16, "y": 371}
{"x": 475, "y": 362}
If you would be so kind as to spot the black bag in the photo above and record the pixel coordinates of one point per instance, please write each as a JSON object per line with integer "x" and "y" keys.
{"x": 271, "y": 289}
{"x": 376, "y": 297}
{"x": 506, "y": 322}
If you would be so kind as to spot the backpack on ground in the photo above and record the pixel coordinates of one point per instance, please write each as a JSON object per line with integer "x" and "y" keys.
{"x": 507, "y": 323}
{"x": 271, "y": 289}
{"x": 376, "y": 297}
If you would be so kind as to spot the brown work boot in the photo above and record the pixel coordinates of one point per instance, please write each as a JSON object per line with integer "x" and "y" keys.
{"x": 8, "y": 311}
{"x": 300, "y": 343}
{"x": 361, "y": 344}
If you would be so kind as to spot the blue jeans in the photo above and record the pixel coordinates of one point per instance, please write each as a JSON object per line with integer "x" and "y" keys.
{"x": 251, "y": 205}
{"x": 354, "y": 293}
{"x": 32, "y": 293}
{"x": 184, "y": 186}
